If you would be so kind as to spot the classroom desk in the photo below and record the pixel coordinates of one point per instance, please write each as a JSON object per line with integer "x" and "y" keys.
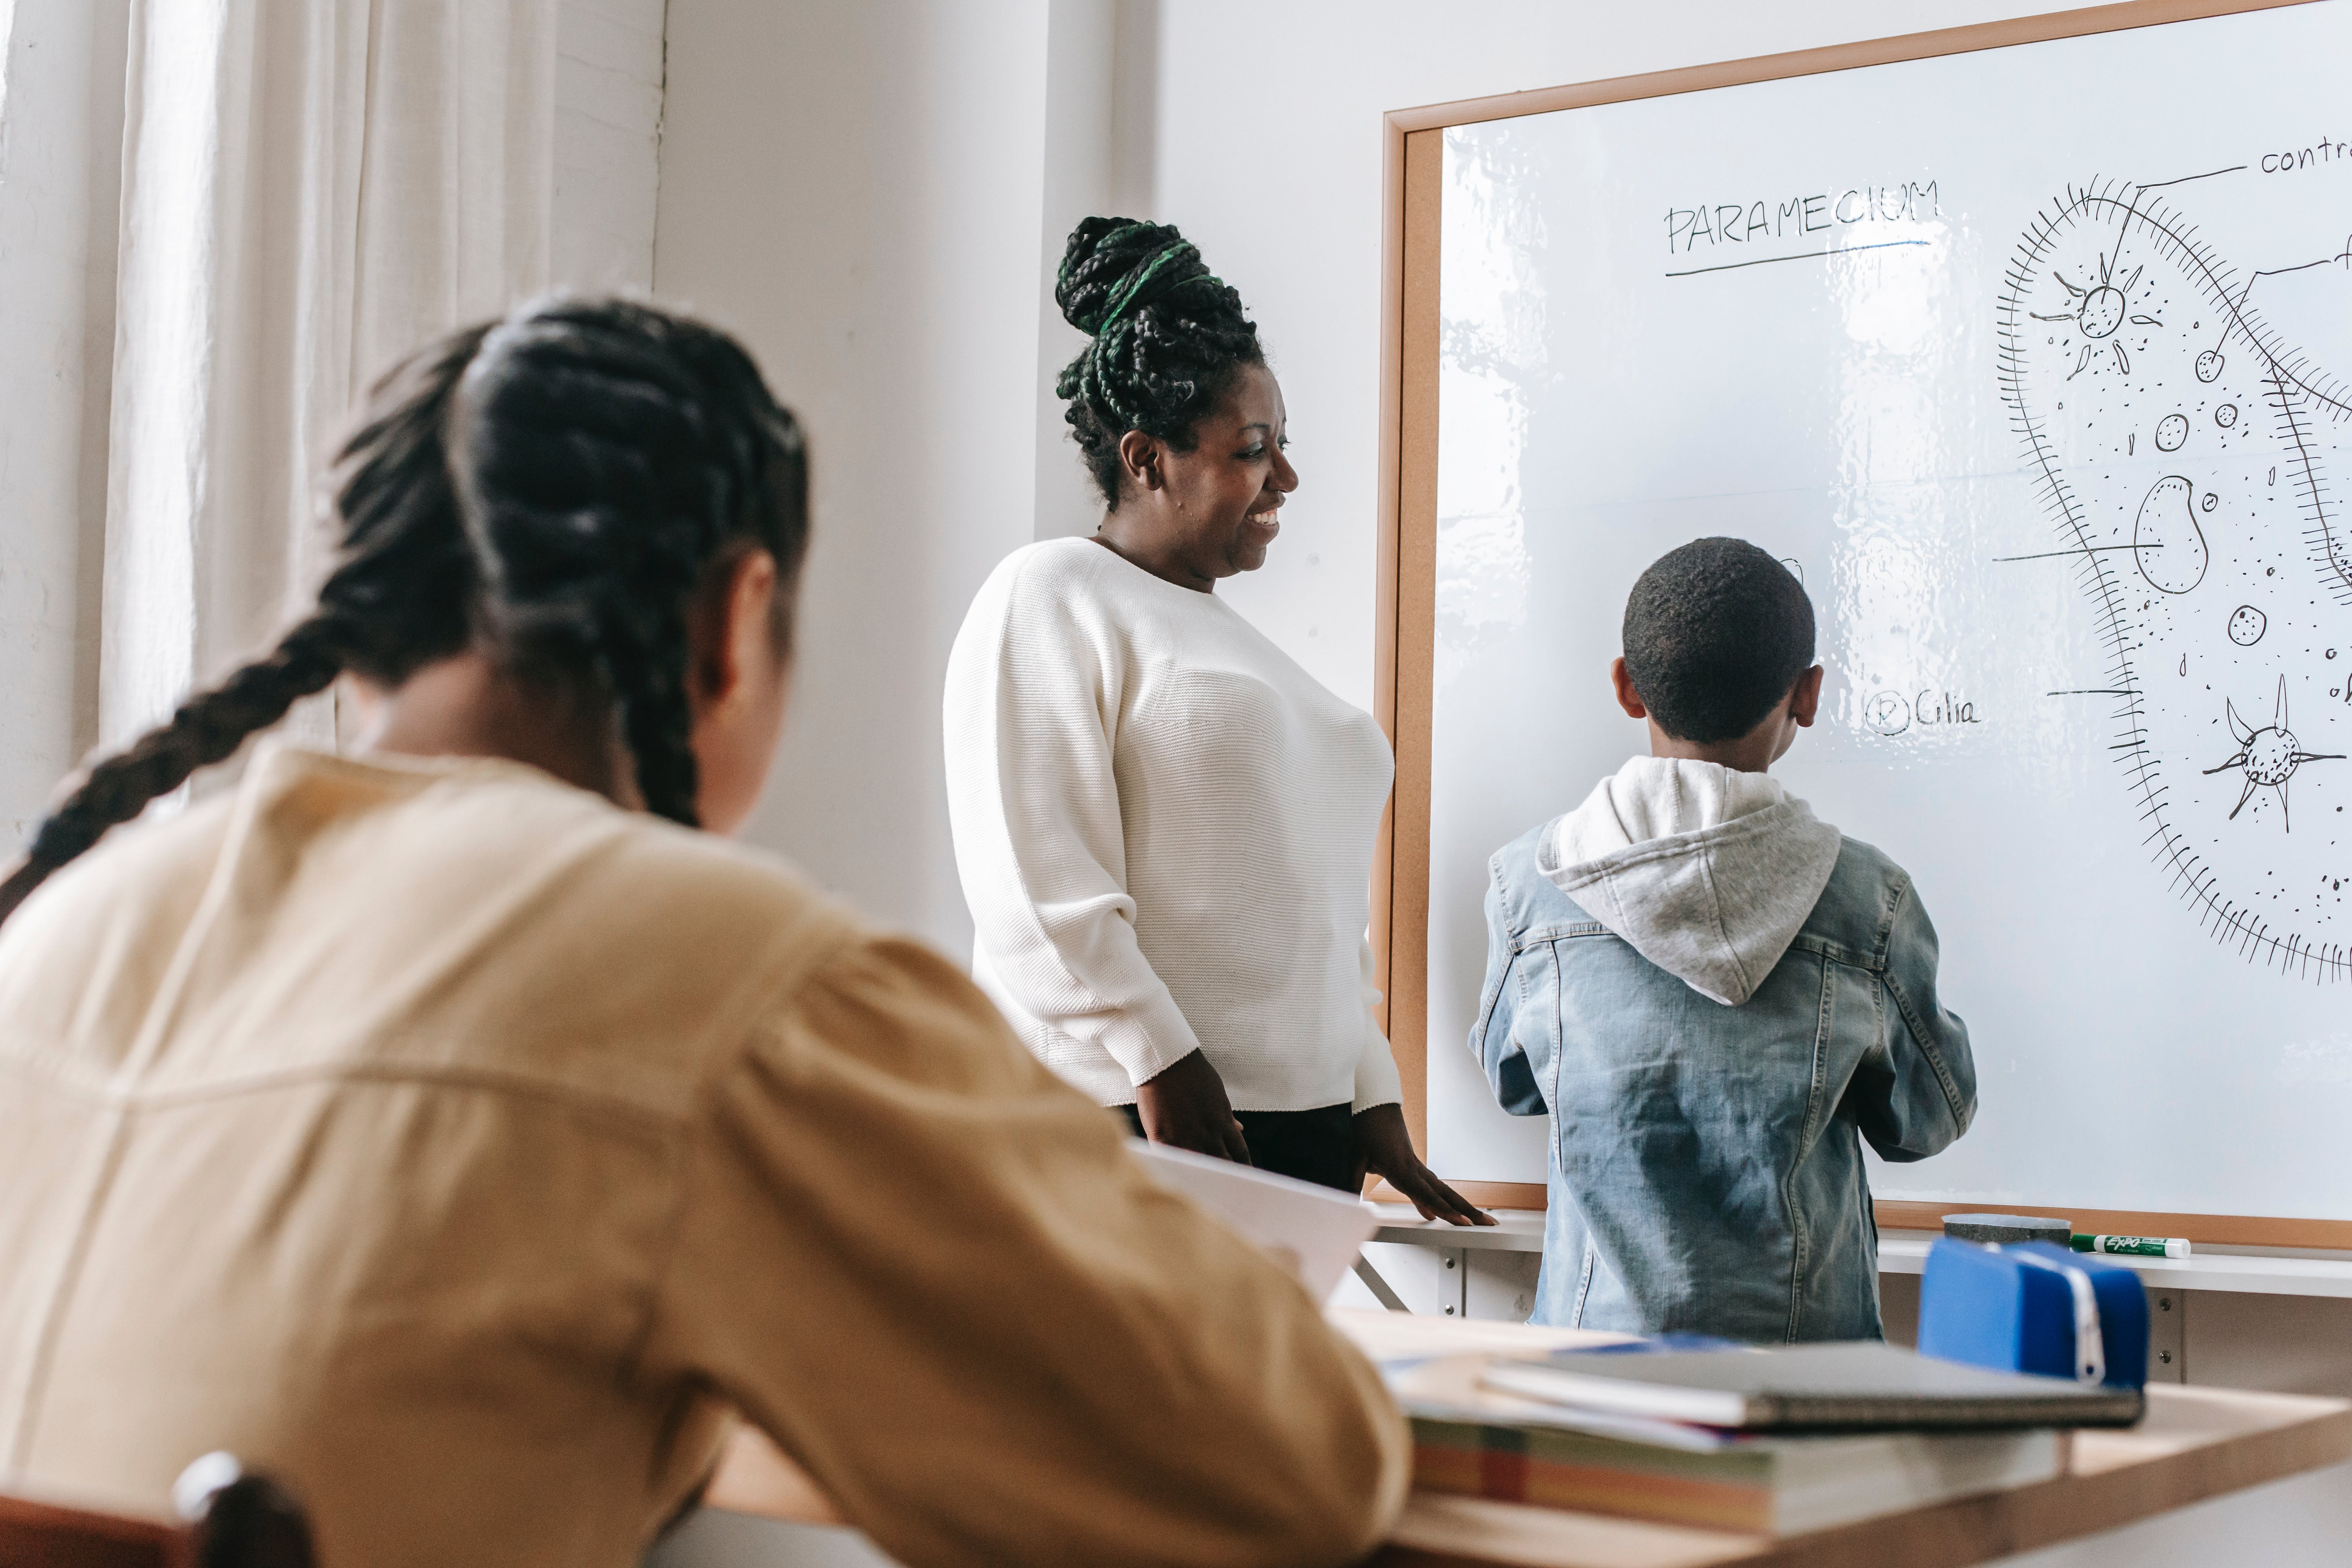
{"x": 2243, "y": 1270}
{"x": 2272, "y": 1271}
{"x": 2196, "y": 1443}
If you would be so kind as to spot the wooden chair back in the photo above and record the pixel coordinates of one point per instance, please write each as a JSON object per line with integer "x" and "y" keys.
{"x": 234, "y": 1521}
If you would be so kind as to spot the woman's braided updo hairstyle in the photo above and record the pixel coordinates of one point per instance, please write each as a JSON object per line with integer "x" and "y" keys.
{"x": 1169, "y": 339}
{"x": 553, "y": 489}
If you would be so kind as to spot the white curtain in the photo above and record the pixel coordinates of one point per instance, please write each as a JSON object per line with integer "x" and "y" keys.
{"x": 60, "y": 155}
{"x": 309, "y": 188}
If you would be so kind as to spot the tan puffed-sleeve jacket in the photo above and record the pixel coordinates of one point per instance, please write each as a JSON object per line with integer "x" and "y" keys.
{"x": 464, "y": 1149}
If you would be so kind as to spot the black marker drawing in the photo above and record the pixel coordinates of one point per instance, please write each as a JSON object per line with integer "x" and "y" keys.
{"x": 1800, "y": 256}
{"x": 2099, "y": 309}
{"x": 2268, "y": 755}
{"x": 2168, "y": 523}
{"x": 2160, "y": 184}
{"x": 2234, "y": 551}
{"x": 2303, "y": 468}
{"x": 1889, "y": 713}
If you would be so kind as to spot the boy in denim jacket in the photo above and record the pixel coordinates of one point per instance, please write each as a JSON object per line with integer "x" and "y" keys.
{"x": 1712, "y": 993}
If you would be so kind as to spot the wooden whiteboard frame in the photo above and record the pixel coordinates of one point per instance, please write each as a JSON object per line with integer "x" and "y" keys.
{"x": 1405, "y": 615}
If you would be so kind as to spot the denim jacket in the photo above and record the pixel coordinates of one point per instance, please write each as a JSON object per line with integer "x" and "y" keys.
{"x": 1705, "y": 1172}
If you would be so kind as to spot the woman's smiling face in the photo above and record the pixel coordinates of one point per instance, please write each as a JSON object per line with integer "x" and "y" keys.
{"x": 1194, "y": 516}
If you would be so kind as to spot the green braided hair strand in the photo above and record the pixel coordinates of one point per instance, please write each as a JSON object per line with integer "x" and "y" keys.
{"x": 1168, "y": 337}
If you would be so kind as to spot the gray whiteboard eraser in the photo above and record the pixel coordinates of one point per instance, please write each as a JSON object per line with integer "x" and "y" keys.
{"x": 2005, "y": 1228}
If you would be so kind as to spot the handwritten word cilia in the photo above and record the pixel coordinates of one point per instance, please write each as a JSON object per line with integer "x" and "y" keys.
{"x": 1742, "y": 222}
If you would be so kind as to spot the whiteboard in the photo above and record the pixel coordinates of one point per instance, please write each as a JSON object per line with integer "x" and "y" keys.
{"x": 2036, "y": 363}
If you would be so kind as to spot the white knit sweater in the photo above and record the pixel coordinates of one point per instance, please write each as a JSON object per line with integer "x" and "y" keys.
{"x": 1164, "y": 828}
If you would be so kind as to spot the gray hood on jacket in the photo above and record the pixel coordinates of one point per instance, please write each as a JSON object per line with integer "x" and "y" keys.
{"x": 1707, "y": 873}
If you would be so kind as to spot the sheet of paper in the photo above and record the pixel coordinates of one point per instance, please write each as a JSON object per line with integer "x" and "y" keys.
{"x": 1315, "y": 1231}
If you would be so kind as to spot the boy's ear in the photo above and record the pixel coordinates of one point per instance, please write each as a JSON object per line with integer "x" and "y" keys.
{"x": 1805, "y": 698}
{"x": 1627, "y": 698}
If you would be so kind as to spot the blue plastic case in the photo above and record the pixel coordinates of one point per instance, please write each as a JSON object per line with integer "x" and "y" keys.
{"x": 2020, "y": 1307}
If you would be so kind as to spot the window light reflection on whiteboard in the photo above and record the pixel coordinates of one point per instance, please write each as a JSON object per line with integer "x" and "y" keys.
{"x": 1492, "y": 354}
{"x": 1890, "y": 628}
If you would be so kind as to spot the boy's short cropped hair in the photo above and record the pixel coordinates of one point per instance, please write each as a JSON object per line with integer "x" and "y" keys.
{"x": 1716, "y": 634}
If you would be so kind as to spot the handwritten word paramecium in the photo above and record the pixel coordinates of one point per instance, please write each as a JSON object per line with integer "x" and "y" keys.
{"x": 1754, "y": 222}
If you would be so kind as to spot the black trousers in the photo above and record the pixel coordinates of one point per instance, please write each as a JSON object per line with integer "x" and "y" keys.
{"x": 1317, "y": 1145}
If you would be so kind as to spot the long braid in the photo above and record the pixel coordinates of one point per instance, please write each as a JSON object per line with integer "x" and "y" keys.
{"x": 208, "y": 728}
{"x": 1168, "y": 337}
{"x": 554, "y": 490}
{"x": 401, "y": 529}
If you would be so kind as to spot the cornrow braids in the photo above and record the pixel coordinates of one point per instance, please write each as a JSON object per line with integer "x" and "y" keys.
{"x": 554, "y": 488}
{"x": 611, "y": 460}
{"x": 1169, "y": 339}
{"x": 405, "y": 581}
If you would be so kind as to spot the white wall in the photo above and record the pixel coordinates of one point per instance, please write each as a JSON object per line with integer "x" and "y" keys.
{"x": 858, "y": 190}
{"x": 608, "y": 110}
{"x": 1101, "y": 114}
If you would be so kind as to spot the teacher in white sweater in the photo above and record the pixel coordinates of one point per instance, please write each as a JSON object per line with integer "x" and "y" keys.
{"x": 1164, "y": 826}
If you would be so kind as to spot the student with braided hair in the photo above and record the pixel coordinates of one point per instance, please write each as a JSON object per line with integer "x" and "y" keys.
{"x": 444, "y": 1132}
{"x": 1163, "y": 824}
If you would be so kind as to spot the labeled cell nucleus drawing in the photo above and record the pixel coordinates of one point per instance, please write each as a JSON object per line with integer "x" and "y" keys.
{"x": 2180, "y": 439}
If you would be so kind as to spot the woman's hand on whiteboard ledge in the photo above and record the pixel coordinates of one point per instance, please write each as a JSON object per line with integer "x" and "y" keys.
{"x": 1384, "y": 1147}
{"x": 1185, "y": 1108}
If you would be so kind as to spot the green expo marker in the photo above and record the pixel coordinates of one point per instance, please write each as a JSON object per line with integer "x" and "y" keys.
{"x": 2133, "y": 1245}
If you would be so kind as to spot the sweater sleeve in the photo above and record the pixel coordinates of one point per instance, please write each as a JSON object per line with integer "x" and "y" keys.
{"x": 928, "y": 1270}
{"x": 1377, "y": 1082}
{"x": 1033, "y": 702}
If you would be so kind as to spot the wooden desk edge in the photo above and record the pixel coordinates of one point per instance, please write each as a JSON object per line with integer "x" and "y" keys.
{"x": 1996, "y": 1524}
{"x": 753, "y": 1478}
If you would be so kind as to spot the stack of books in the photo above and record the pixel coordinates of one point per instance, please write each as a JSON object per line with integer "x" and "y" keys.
{"x": 1771, "y": 1442}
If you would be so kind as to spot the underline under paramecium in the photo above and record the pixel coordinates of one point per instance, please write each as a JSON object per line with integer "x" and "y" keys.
{"x": 1800, "y": 256}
